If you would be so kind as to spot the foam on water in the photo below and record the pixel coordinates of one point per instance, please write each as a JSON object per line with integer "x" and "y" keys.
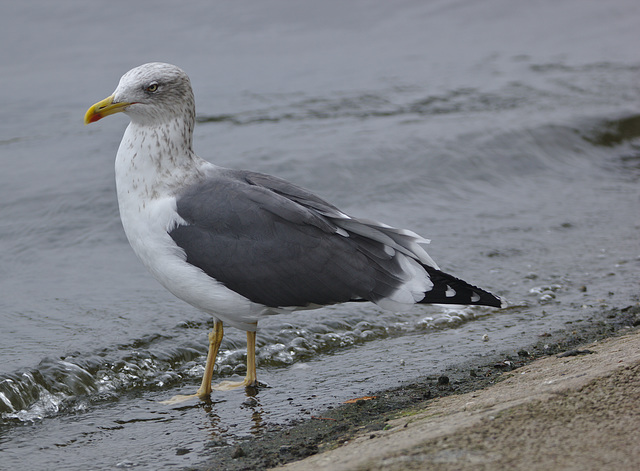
{"x": 158, "y": 362}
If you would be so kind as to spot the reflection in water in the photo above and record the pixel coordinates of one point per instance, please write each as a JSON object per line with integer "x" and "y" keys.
{"x": 249, "y": 411}
{"x": 214, "y": 425}
{"x": 257, "y": 412}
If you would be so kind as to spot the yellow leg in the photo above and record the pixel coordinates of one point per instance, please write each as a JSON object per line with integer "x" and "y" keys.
{"x": 251, "y": 377}
{"x": 215, "y": 339}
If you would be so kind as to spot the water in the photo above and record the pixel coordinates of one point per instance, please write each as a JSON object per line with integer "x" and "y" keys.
{"x": 507, "y": 133}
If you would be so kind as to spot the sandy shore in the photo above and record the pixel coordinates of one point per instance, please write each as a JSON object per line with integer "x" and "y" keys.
{"x": 578, "y": 411}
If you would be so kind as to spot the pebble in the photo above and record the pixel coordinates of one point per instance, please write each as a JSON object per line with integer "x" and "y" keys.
{"x": 237, "y": 453}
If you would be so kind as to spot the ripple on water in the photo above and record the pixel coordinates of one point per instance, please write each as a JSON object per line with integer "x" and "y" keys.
{"x": 161, "y": 361}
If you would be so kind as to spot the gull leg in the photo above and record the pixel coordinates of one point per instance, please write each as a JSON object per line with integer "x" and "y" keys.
{"x": 215, "y": 339}
{"x": 251, "y": 377}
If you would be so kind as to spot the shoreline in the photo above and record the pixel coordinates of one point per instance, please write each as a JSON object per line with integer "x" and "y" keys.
{"x": 360, "y": 435}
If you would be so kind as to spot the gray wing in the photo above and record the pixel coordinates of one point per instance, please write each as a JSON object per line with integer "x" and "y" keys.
{"x": 401, "y": 240}
{"x": 278, "y": 244}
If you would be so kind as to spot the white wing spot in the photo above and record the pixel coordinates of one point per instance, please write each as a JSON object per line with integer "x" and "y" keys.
{"x": 475, "y": 297}
{"x": 450, "y": 293}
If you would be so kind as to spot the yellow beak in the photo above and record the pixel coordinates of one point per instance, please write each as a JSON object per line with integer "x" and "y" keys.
{"x": 104, "y": 108}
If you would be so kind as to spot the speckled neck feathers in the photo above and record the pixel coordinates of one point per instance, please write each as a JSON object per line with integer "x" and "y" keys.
{"x": 153, "y": 160}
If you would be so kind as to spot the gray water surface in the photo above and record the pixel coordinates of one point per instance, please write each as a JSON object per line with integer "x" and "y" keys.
{"x": 506, "y": 132}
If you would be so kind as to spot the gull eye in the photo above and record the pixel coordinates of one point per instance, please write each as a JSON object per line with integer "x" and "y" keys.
{"x": 153, "y": 87}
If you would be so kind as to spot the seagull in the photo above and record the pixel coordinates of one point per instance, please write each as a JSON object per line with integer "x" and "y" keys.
{"x": 240, "y": 245}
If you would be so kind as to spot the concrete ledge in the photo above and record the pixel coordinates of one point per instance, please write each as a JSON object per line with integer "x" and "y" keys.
{"x": 575, "y": 412}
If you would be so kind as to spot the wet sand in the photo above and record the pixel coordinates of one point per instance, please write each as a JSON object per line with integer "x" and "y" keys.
{"x": 572, "y": 401}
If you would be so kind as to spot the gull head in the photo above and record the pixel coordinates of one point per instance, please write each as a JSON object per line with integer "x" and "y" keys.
{"x": 151, "y": 94}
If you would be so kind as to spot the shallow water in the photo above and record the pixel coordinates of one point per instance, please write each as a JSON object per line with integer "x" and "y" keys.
{"x": 508, "y": 134}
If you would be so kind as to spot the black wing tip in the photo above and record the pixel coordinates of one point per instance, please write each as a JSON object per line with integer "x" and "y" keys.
{"x": 485, "y": 298}
{"x": 465, "y": 293}
{"x": 490, "y": 300}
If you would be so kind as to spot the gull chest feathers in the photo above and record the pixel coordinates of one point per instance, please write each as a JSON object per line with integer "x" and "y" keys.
{"x": 148, "y": 171}
{"x": 153, "y": 165}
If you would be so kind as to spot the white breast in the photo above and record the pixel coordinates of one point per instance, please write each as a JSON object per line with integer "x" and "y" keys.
{"x": 148, "y": 212}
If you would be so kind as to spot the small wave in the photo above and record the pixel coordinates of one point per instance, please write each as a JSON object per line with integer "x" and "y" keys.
{"x": 385, "y": 104}
{"x": 160, "y": 362}
{"x": 611, "y": 133}
{"x": 621, "y": 133}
